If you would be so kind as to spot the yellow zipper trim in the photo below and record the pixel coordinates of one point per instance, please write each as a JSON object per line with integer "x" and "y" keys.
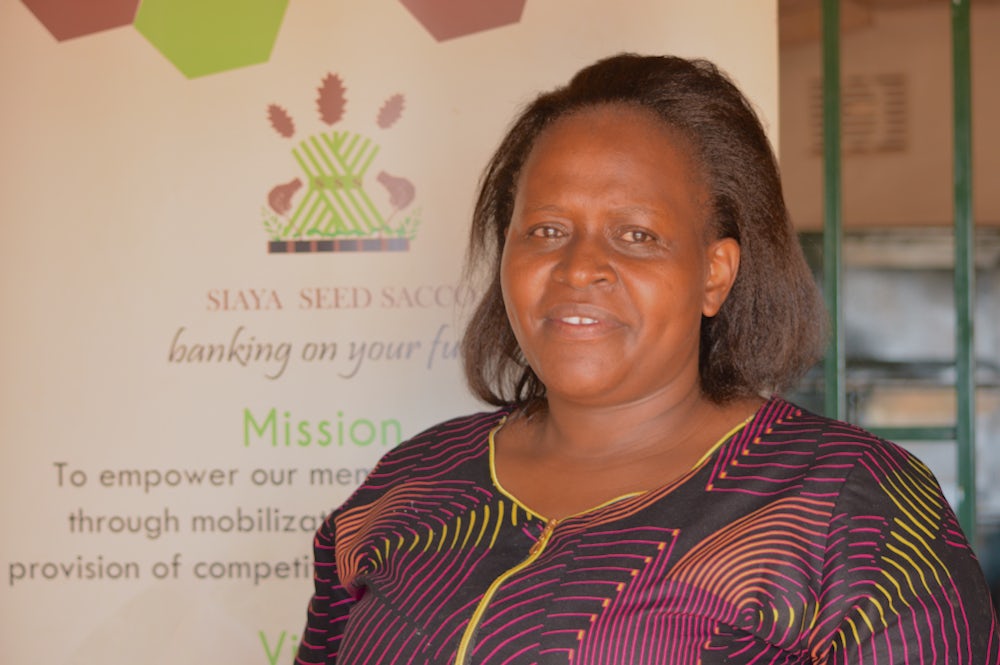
{"x": 517, "y": 502}
{"x": 543, "y": 539}
{"x": 477, "y": 616}
{"x": 496, "y": 480}
{"x": 725, "y": 437}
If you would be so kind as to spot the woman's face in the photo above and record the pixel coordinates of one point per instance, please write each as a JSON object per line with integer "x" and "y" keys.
{"x": 607, "y": 267}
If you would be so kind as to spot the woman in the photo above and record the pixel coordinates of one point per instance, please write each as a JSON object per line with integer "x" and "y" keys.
{"x": 642, "y": 495}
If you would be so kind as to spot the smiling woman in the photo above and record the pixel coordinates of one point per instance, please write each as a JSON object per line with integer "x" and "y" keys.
{"x": 642, "y": 494}
{"x": 605, "y": 267}
{"x": 607, "y": 270}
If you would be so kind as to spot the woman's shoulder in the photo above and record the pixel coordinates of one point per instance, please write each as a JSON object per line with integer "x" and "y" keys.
{"x": 468, "y": 430}
{"x": 836, "y": 448}
{"x": 785, "y": 420}
{"x": 456, "y": 447}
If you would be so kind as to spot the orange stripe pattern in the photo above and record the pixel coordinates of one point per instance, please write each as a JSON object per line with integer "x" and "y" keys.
{"x": 801, "y": 540}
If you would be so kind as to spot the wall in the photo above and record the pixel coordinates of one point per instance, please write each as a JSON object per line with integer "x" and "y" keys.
{"x": 911, "y": 186}
{"x": 159, "y": 501}
{"x": 897, "y": 292}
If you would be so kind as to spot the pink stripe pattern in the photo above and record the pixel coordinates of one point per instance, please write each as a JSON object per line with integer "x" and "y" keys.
{"x": 801, "y": 540}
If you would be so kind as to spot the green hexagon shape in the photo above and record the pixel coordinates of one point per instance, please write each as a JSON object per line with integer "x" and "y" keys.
{"x": 207, "y": 36}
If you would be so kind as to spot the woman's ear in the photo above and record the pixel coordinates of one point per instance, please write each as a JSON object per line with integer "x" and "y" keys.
{"x": 723, "y": 258}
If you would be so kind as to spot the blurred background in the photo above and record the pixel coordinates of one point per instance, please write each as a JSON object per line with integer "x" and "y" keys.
{"x": 897, "y": 291}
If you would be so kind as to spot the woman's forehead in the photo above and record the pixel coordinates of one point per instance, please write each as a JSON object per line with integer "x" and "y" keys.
{"x": 634, "y": 137}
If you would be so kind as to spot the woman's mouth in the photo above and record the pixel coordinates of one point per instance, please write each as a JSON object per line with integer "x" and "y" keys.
{"x": 579, "y": 320}
{"x": 582, "y": 320}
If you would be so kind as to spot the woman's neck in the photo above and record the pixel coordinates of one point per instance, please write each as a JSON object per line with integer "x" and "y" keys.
{"x": 652, "y": 425}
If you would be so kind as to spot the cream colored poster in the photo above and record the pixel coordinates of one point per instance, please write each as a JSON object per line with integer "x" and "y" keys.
{"x": 231, "y": 256}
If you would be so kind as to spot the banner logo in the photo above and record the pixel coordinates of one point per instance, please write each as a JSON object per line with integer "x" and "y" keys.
{"x": 331, "y": 205}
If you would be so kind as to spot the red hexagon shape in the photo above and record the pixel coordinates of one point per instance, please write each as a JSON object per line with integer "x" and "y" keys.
{"x": 67, "y": 19}
{"x": 447, "y": 19}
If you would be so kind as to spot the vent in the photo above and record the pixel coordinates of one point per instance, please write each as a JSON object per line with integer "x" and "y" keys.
{"x": 873, "y": 114}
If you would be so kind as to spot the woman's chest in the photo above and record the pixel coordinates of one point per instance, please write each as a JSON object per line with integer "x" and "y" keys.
{"x": 496, "y": 584}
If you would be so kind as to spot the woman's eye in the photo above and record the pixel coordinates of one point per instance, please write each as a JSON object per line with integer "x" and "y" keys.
{"x": 546, "y": 232}
{"x": 637, "y": 236}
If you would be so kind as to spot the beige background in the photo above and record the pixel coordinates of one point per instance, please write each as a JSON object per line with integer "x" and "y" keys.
{"x": 129, "y": 192}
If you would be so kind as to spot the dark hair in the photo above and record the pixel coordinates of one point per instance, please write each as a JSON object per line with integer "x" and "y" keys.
{"x": 771, "y": 327}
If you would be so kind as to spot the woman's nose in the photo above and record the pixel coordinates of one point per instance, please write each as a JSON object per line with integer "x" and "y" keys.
{"x": 585, "y": 261}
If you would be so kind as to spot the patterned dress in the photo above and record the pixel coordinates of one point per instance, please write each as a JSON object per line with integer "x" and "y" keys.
{"x": 799, "y": 539}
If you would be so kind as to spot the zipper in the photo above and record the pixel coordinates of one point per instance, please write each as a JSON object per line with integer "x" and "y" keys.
{"x": 465, "y": 646}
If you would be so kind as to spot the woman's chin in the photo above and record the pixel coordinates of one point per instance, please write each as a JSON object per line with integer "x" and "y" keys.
{"x": 584, "y": 390}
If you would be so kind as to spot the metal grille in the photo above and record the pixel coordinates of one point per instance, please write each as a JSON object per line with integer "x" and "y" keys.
{"x": 873, "y": 114}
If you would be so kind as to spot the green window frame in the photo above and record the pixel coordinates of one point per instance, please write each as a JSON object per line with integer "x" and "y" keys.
{"x": 834, "y": 379}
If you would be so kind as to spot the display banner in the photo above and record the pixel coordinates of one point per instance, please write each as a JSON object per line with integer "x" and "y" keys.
{"x": 231, "y": 280}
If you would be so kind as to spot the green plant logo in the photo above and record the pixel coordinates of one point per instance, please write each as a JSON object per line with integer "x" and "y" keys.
{"x": 328, "y": 208}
